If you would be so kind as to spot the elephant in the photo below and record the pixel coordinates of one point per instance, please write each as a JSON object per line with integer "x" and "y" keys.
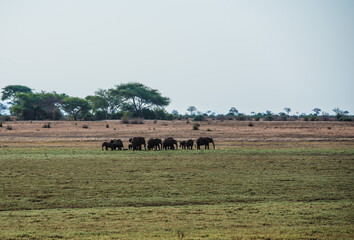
{"x": 154, "y": 143}
{"x": 137, "y": 142}
{"x": 113, "y": 144}
{"x": 169, "y": 143}
{"x": 190, "y": 144}
{"x": 106, "y": 145}
{"x": 204, "y": 141}
{"x": 117, "y": 143}
{"x": 183, "y": 144}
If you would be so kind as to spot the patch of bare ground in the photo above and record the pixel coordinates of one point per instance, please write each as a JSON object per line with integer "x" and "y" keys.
{"x": 221, "y": 131}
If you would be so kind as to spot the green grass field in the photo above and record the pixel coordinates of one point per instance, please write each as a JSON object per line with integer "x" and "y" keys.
{"x": 255, "y": 191}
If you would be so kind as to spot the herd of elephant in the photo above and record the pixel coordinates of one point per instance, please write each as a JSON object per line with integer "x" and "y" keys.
{"x": 136, "y": 144}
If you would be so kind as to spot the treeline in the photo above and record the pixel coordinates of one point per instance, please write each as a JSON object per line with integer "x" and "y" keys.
{"x": 129, "y": 100}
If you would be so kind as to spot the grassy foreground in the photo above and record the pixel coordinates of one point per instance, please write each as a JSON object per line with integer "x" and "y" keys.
{"x": 259, "y": 191}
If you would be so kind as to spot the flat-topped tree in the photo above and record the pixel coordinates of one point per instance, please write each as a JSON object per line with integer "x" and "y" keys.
{"x": 137, "y": 97}
{"x": 9, "y": 92}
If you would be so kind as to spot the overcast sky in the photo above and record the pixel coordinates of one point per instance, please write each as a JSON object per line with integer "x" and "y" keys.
{"x": 255, "y": 55}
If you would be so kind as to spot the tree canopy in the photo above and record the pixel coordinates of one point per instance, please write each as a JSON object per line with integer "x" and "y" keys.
{"x": 137, "y": 97}
{"x": 9, "y": 92}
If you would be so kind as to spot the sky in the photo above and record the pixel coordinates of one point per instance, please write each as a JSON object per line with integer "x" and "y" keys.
{"x": 254, "y": 55}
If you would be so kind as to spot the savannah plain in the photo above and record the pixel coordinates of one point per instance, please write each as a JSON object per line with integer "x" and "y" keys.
{"x": 272, "y": 180}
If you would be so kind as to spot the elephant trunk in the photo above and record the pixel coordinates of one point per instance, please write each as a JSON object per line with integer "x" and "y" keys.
{"x": 213, "y": 144}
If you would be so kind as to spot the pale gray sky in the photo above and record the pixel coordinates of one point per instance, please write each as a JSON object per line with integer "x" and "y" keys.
{"x": 255, "y": 55}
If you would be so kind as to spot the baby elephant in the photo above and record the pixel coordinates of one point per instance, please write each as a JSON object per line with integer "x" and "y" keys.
{"x": 183, "y": 144}
{"x": 187, "y": 144}
{"x": 190, "y": 144}
{"x": 113, "y": 144}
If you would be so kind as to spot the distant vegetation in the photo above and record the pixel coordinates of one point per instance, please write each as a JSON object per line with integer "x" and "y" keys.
{"x": 130, "y": 102}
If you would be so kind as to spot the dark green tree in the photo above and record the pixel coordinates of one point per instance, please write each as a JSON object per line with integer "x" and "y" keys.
{"x": 287, "y": 110}
{"x": 9, "y": 92}
{"x": 75, "y": 106}
{"x": 137, "y": 96}
{"x": 316, "y": 111}
{"x": 191, "y": 110}
{"x": 111, "y": 100}
{"x": 37, "y": 106}
{"x": 99, "y": 107}
{"x": 27, "y": 106}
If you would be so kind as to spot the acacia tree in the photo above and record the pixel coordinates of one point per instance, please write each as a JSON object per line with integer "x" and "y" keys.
{"x": 75, "y": 106}
{"x": 316, "y": 111}
{"x": 137, "y": 97}
{"x": 191, "y": 109}
{"x": 9, "y": 92}
{"x": 287, "y": 110}
{"x": 233, "y": 111}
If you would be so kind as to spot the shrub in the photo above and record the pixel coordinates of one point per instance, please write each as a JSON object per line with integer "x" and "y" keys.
{"x": 209, "y": 130}
{"x": 196, "y": 126}
{"x": 107, "y": 126}
{"x": 269, "y": 118}
{"x": 199, "y": 118}
{"x": 0, "y": 124}
{"x": 241, "y": 117}
{"x": 257, "y": 118}
{"x": 250, "y": 124}
{"x": 9, "y": 127}
{"x": 85, "y": 126}
{"x": 313, "y": 118}
{"x": 46, "y": 125}
{"x": 346, "y": 119}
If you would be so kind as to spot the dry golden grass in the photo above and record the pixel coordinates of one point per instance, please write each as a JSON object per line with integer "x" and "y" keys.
{"x": 222, "y": 131}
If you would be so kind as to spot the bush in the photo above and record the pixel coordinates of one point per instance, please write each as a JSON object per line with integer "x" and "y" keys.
{"x": 346, "y": 119}
{"x": 199, "y": 118}
{"x": 257, "y": 118}
{"x": 85, "y": 126}
{"x": 196, "y": 126}
{"x": 250, "y": 124}
{"x": 0, "y": 124}
{"x": 9, "y": 127}
{"x": 269, "y": 118}
{"x": 107, "y": 126}
{"x": 241, "y": 117}
{"x": 313, "y": 118}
